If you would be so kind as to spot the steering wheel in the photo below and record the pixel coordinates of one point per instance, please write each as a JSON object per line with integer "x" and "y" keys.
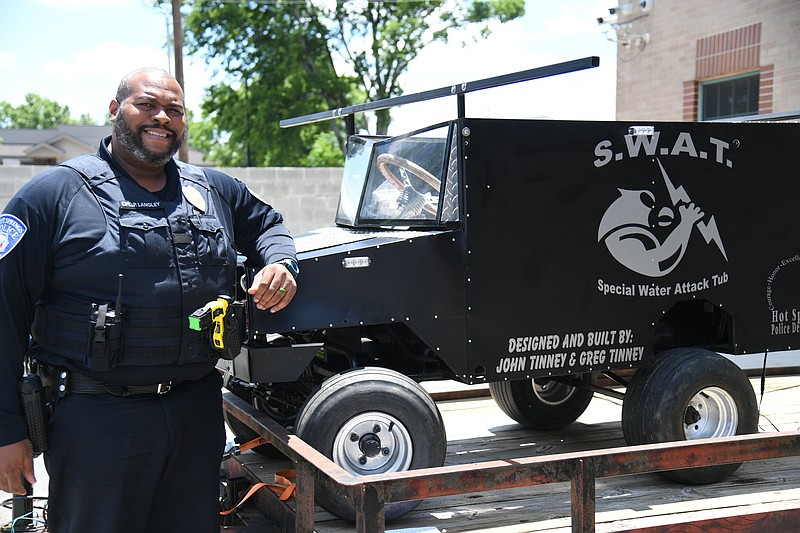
{"x": 387, "y": 161}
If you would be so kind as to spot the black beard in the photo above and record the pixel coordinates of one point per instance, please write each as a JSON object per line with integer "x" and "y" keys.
{"x": 132, "y": 141}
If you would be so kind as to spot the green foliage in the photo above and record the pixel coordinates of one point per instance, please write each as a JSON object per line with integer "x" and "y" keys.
{"x": 86, "y": 120}
{"x": 324, "y": 152}
{"x": 278, "y": 66}
{"x": 36, "y": 113}
{"x": 285, "y": 58}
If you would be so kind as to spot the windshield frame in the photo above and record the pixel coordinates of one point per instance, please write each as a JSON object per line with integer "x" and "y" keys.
{"x": 363, "y": 177}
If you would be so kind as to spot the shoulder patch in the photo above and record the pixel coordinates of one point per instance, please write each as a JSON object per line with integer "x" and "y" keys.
{"x": 11, "y": 232}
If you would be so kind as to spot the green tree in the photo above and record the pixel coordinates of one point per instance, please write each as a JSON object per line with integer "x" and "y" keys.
{"x": 86, "y": 120}
{"x": 277, "y": 65}
{"x": 380, "y": 39}
{"x": 285, "y": 58}
{"x": 36, "y": 113}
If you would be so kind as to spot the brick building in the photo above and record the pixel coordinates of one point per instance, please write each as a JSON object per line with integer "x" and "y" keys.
{"x": 703, "y": 60}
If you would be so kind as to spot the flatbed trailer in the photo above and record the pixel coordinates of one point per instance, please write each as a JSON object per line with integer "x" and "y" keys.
{"x": 478, "y": 432}
{"x": 762, "y": 496}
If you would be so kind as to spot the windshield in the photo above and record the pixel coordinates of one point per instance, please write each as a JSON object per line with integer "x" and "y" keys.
{"x": 395, "y": 181}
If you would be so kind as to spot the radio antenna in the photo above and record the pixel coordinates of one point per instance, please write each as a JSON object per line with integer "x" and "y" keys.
{"x": 118, "y": 304}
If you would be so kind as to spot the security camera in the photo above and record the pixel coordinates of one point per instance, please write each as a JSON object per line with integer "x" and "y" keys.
{"x": 607, "y": 20}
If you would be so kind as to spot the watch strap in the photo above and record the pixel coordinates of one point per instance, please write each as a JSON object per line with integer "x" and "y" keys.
{"x": 291, "y": 265}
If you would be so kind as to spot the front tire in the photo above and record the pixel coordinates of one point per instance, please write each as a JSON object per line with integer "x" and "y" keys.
{"x": 688, "y": 394}
{"x": 372, "y": 421}
{"x": 542, "y": 403}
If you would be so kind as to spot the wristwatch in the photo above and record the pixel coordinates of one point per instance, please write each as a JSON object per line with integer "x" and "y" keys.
{"x": 291, "y": 265}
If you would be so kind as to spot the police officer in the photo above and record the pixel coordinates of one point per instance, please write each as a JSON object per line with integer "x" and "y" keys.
{"x": 102, "y": 259}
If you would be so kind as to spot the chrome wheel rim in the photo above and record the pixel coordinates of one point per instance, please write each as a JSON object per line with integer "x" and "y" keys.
{"x": 711, "y": 413}
{"x": 373, "y": 443}
{"x": 552, "y": 392}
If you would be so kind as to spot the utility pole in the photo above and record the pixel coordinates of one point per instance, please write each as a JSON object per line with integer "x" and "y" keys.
{"x": 177, "y": 34}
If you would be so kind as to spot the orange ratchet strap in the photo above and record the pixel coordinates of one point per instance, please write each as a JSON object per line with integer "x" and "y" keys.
{"x": 283, "y": 487}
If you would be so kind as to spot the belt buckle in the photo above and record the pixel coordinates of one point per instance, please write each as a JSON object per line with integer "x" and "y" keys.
{"x": 164, "y": 388}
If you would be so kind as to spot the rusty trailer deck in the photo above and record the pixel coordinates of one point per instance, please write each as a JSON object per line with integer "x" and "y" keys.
{"x": 502, "y": 478}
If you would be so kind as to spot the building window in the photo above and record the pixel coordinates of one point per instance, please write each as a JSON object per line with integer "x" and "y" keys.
{"x": 729, "y": 97}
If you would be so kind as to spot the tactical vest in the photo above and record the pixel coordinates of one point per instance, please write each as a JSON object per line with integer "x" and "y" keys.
{"x": 180, "y": 244}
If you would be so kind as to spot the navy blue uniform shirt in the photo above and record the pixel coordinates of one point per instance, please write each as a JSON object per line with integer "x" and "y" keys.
{"x": 65, "y": 238}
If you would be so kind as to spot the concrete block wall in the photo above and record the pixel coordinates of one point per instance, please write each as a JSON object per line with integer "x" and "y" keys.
{"x": 12, "y": 178}
{"x": 307, "y": 197}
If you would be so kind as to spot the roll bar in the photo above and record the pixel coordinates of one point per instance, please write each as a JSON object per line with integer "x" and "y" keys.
{"x": 458, "y": 90}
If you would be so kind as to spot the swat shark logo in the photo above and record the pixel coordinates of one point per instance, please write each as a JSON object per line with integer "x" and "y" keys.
{"x": 653, "y": 241}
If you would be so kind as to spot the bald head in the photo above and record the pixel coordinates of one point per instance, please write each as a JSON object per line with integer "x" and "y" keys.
{"x": 126, "y": 84}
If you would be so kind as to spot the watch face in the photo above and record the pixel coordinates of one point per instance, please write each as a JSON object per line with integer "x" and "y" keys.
{"x": 292, "y": 266}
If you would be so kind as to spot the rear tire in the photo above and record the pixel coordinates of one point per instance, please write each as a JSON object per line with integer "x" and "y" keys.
{"x": 687, "y": 394}
{"x": 542, "y": 403}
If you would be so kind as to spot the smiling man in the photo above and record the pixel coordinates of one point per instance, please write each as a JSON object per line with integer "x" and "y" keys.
{"x": 104, "y": 258}
{"x": 154, "y": 106}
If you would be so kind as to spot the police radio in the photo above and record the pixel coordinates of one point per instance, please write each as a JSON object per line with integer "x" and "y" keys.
{"x": 106, "y": 333}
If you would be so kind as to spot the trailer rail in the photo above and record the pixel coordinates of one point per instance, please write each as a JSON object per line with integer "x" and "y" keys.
{"x": 368, "y": 494}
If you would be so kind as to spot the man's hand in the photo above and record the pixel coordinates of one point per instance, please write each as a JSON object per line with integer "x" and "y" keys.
{"x": 273, "y": 288}
{"x": 16, "y": 460}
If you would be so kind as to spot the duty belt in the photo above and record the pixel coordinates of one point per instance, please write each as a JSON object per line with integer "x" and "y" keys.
{"x": 80, "y": 384}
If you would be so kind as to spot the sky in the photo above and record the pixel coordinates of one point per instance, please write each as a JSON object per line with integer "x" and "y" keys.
{"x": 75, "y": 51}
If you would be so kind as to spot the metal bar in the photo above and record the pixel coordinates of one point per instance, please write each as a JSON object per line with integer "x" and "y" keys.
{"x": 496, "y": 475}
{"x": 450, "y": 90}
{"x": 304, "y": 514}
{"x": 370, "y": 511}
{"x": 476, "y": 477}
{"x": 583, "y": 497}
{"x": 772, "y": 117}
{"x": 463, "y": 394}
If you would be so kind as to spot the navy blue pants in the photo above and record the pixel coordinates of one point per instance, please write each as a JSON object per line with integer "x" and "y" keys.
{"x": 138, "y": 464}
